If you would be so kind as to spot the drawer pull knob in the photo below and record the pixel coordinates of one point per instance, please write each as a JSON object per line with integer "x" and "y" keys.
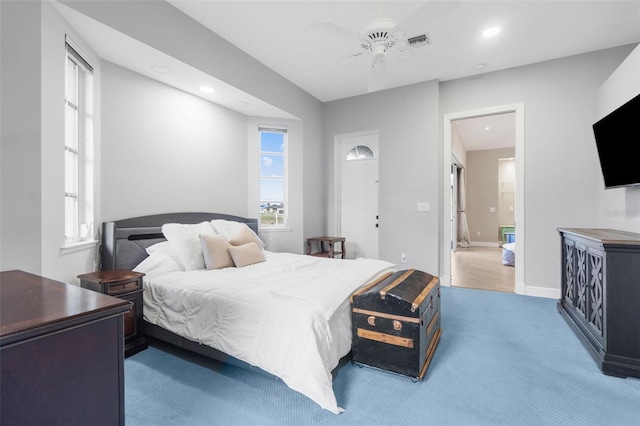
{"x": 371, "y": 320}
{"x": 397, "y": 325}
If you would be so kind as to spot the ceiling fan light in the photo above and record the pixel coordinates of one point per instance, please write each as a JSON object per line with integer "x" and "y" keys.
{"x": 379, "y": 51}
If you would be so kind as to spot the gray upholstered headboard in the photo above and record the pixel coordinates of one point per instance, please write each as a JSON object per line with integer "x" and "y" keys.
{"x": 124, "y": 242}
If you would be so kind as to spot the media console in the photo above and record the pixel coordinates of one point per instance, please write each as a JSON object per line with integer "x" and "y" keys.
{"x": 600, "y": 296}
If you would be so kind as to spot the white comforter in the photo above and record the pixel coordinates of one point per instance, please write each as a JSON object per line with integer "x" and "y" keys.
{"x": 289, "y": 315}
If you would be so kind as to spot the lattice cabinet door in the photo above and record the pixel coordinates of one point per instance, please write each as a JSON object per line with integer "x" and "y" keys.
{"x": 581, "y": 281}
{"x": 568, "y": 273}
{"x": 596, "y": 292}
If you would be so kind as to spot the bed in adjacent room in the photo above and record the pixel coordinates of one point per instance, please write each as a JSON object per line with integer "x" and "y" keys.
{"x": 288, "y": 314}
{"x": 509, "y": 254}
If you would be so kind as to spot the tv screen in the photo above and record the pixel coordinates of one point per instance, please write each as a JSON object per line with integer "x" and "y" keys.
{"x": 617, "y": 138}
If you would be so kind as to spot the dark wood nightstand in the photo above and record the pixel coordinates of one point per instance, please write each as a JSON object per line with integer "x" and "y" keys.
{"x": 126, "y": 285}
{"x": 326, "y": 247}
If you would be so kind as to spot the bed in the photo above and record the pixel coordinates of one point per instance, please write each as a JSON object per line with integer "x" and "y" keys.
{"x": 285, "y": 313}
{"x": 509, "y": 254}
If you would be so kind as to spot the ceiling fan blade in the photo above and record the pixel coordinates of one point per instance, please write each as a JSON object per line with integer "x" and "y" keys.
{"x": 331, "y": 28}
{"x": 377, "y": 76}
{"x": 335, "y": 63}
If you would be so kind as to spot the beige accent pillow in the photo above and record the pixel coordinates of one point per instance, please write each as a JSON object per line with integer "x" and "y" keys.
{"x": 246, "y": 235}
{"x": 215, "y": 250}
{"x": 246, "y": 254}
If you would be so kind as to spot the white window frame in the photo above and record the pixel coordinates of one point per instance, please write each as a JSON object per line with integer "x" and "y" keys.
{"x": 284, "y": 178}
{"x": 78, "y": 147}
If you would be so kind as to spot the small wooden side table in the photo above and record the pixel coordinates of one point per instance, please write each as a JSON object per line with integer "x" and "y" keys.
{"x": 126, "y": 285}
{"x": 326, "y": 247}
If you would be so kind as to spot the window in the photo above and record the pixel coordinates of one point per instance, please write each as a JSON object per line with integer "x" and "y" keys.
{"x": 360, "y": 152}
{"x": 78, "y": 146}
{"x": 273, "y": 177}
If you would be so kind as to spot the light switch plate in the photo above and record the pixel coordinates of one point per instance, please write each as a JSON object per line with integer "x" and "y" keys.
{"x": 424, "y": 207}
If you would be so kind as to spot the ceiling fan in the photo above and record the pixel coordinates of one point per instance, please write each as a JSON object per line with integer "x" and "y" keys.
{"x": 378, "y": 38}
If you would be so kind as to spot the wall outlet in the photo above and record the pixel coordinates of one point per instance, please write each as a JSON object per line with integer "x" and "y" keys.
{"x": 478, "y": 233}
{"x": 492, "y": 209}
{"x": 403, "y": 257}
{"x": 95, "y": 265}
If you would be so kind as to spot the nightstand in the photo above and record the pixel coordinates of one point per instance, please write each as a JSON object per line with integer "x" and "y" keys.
{"x": 126, "y": 285}
{"x": 326, "y": 247}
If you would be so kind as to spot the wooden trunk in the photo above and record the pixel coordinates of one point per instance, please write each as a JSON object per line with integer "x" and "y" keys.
{"x": 396, "y": 322}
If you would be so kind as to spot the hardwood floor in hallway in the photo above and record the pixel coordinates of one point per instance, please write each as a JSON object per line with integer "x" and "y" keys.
{"x": 481, "y": 268}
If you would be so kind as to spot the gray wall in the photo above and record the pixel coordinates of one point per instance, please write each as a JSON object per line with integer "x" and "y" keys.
{"x": 195, "y": 45}
{"x": 21, "y": 137}
{"x": 32, "y": 165}
{"x": 561, "y": 170}
{"x": 409, "y": 170}
{"x": 620, "y": 207}
{"x": 165, "y": 150}
{"x": 483, "y": 194}
{"x": 32, "y": 160}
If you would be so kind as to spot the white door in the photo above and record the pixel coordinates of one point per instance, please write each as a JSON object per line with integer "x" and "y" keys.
{"x": 454, "y": 206}
{"x": 359, "y": 195}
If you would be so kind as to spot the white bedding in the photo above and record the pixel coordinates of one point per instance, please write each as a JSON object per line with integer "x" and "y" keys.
{"x": 289, "y": 315}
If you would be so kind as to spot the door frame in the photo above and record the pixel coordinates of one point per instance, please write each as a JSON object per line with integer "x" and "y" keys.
{"x": 337, "y": 173}
{"x": 445, "y": 243}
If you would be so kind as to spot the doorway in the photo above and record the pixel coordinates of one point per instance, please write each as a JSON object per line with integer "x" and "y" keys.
{"x": 446, "y": 242}
{"x": 357, "y": 193}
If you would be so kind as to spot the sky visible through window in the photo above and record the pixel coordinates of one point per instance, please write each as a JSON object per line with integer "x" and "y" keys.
{"x": 272, "y": 168}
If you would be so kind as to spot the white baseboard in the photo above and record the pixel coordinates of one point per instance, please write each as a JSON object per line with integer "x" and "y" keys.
{"x": 484, "y": 244}
{"x": 551, "y": 293}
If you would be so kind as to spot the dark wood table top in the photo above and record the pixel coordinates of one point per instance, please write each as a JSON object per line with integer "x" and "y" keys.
{"x": 111, "y": 275}
{"x": 30, "y": 302}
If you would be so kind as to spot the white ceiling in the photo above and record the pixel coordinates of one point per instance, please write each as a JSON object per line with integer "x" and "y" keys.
{"x": 487, "y": 132}
{"x": 287, "y": 36}
{"x": 314, "y": 44}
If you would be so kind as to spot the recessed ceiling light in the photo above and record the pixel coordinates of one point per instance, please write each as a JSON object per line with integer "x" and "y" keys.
{"x": 161, "y": 69}
{"x": 207, "y": 89}
{"x": 242, "y": 104}
{"x": 490, "y": 32}
{"x": 479, "y": 66}
{"x": 487, "y": 128}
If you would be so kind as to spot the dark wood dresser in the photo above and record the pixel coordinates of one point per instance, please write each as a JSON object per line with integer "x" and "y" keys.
{"x": 61, "y": 353}
{"x": 600, "y": 296}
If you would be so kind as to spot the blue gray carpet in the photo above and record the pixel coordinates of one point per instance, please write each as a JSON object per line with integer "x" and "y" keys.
{"x": 503, "y": 359}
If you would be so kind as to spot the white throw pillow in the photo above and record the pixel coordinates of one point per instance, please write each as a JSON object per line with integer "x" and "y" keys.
{"x": 246, "y": 254}
{"x": 215, "y": 250}
{"x": 158, "y": 262}
{"x": 228, "y": 228}
{"x": 185, "y": 240}
{"x": 165, "y": 248}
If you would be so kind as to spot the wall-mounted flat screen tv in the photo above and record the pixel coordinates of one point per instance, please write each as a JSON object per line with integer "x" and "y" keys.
{"x": 617, "y": 139}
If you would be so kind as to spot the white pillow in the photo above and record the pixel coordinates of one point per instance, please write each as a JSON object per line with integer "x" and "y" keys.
{"x": 215, "y": 250}
{"x": 228, "y": 228}
{"x": 246, "y": 254}
{"x": 158, "y": 262}
{"x": 185, "y": 241}
{"x": 166, "y": 248}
